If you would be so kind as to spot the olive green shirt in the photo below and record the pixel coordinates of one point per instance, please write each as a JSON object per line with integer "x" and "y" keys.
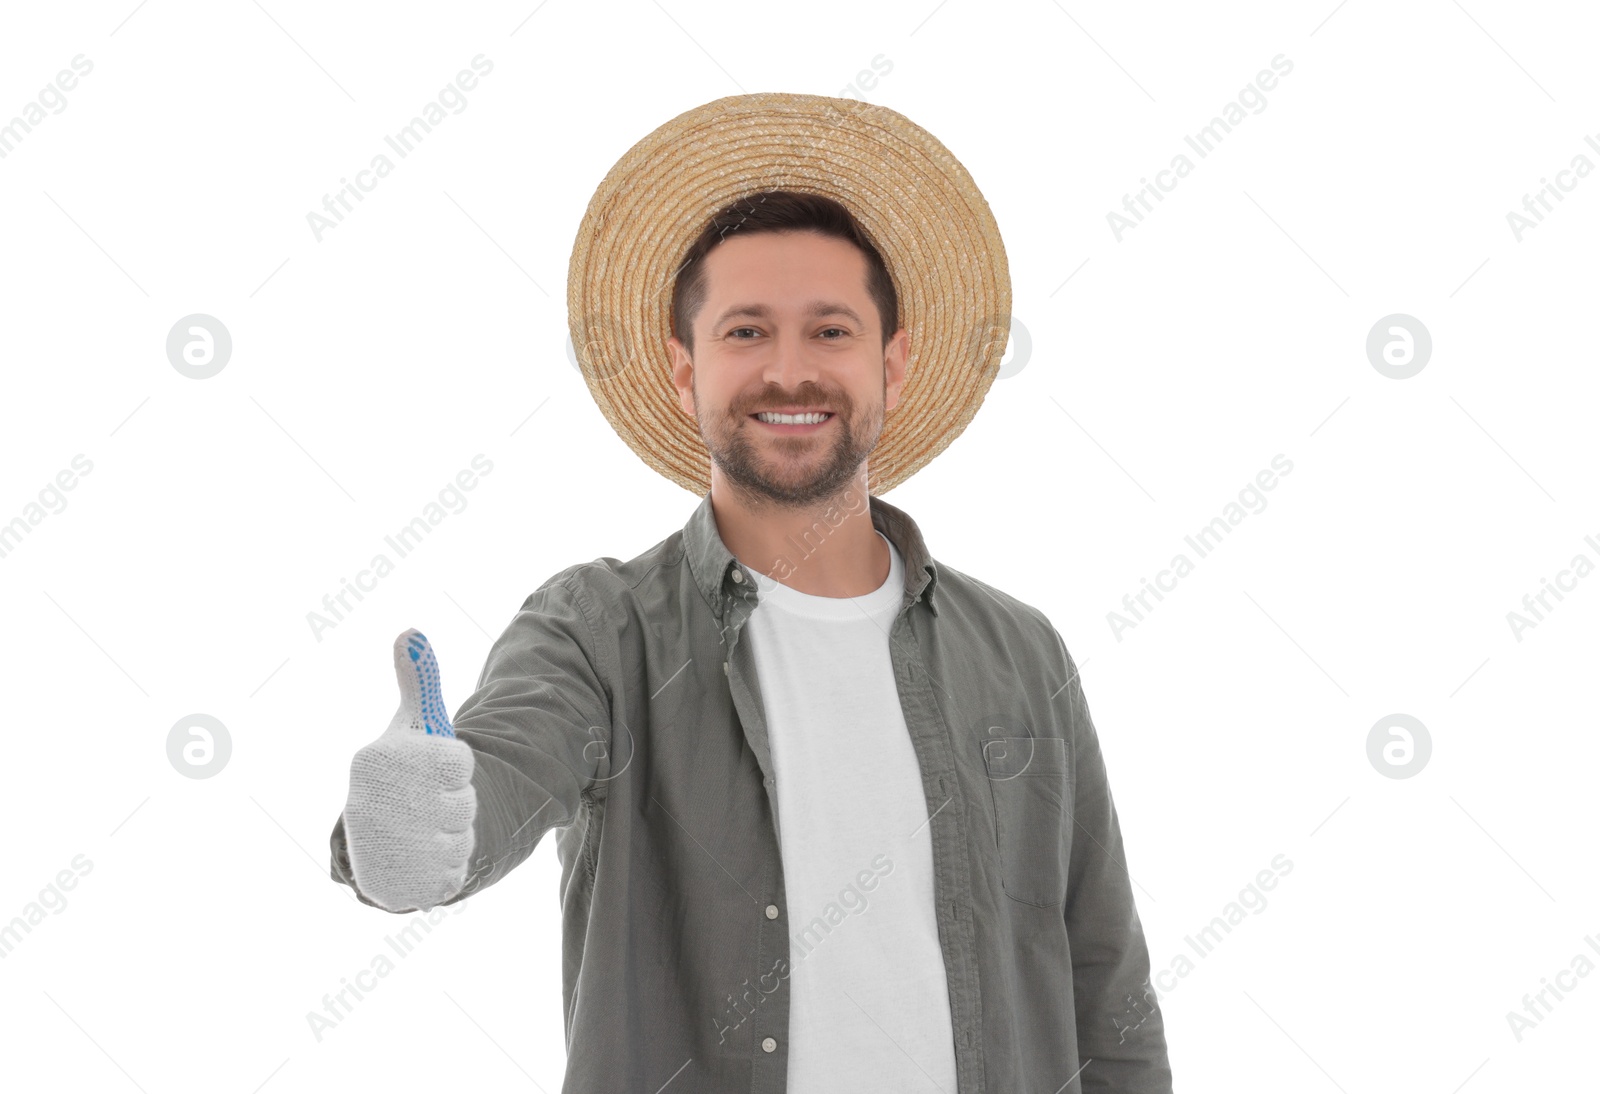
{"x": 621, "y": 708}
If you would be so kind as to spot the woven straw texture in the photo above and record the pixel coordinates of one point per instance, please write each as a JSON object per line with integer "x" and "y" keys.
{"x": 913, "y": 198}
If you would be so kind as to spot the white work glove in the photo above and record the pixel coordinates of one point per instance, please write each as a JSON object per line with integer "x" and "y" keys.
{"x": 408, "y": 820}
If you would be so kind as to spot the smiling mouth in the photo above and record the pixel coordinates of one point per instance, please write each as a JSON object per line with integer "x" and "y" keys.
{"x": 793, "y": 423}
{"x": 778, "y": 415}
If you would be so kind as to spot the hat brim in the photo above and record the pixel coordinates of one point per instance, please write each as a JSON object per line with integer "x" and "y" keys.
{"x": 912, "y": 197}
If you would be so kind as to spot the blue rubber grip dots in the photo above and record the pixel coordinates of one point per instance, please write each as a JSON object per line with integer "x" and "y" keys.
{"x": 423, "y": 694}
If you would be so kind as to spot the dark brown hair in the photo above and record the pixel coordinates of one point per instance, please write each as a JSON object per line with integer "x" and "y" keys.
{"x": 778, "y": 211}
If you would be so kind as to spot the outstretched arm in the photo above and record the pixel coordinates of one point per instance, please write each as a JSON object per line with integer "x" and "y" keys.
{"x": 539, "y": 730}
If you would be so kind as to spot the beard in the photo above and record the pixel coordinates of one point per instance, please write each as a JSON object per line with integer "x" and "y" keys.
{"x": 791, "y": 472}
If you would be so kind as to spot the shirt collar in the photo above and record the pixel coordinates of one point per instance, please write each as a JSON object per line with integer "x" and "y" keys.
{"x": 713, "y": 565}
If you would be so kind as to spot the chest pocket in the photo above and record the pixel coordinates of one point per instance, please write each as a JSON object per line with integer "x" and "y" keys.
{"x": 1032, "y": 805}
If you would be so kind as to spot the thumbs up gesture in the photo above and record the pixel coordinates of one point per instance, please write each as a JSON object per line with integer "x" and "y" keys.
{"x": 408, "y": 819}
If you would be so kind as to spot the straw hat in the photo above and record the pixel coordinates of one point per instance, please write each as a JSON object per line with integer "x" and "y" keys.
{"x": 912, "y": 197}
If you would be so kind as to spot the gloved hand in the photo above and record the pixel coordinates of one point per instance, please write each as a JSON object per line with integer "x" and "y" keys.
{"x": 408, "y": 820}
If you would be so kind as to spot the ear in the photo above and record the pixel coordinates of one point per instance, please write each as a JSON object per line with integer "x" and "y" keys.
{"x": 682, "y": 374}
{"x": 894, "y": 368}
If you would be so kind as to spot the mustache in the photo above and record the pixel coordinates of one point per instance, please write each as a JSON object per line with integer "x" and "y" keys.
{"x": 839, "y": 405}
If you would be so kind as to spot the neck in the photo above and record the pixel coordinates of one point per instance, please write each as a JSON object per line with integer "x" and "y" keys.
{"x": 823, "y": 548}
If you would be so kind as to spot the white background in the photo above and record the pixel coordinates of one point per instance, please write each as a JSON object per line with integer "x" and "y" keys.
{"x": 1166, "y": 370}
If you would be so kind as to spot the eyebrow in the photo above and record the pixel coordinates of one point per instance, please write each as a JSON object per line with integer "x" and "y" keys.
{"x": 815, "y": 310}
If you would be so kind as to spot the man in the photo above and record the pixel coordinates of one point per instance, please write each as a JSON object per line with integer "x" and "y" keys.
{"x": 832, "y": 816}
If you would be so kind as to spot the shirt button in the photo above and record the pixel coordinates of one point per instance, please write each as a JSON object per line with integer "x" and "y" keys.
{"x": 738, "y": 574}
{"x": 772, "y": 911}
{"x": 768, "y": 1044}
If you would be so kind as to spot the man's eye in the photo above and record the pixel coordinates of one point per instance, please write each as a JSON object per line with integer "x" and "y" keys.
{"x": 840, "y": 330}
{"x": 736, "y": 330}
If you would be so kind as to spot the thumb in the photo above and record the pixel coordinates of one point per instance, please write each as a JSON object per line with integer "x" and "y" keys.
{"x": 421, "y": 703}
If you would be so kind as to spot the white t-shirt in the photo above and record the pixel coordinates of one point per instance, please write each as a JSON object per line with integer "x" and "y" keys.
{"x": 869, "y": 1003}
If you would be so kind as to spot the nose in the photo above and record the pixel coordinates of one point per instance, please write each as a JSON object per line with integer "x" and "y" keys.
{"x": 790, "y": 365}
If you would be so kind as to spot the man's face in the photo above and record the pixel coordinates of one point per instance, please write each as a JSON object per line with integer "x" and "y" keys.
{"x": 788, "y": 324}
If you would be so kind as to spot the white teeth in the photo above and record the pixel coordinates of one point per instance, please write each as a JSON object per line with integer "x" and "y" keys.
{"x": 793, "y": 419}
